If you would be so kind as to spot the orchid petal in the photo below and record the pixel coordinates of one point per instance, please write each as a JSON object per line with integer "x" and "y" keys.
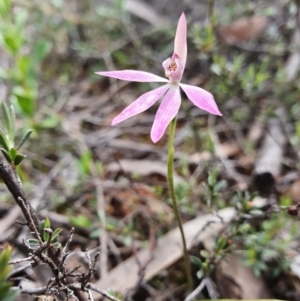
{"x": 167, "y": 110}
{"x": 174, "y": 75}
{"x": 166, "y": 64}
{"x": 133, "y": 75}
{"x": 144, "y": 102}
{"x": 201, "y": 99}
{"x": 180, "y": 44}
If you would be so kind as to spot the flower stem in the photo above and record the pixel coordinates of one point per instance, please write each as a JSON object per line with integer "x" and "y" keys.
{"x": 174, "y": 201}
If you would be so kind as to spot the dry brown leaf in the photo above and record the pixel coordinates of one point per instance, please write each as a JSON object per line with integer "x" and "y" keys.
{"x": 256, "y": 131}
{"x": 146, "y": 12}
{"x": 293, "y": 62}
{"x": 167, "y": 251}
{"x": 238, "y": 281}
{"x": 244, "y": 29}
{"x": 200, "y": 157}
{"x": 142, "y": 168}
{"x": 128, "y": 198}
{"x": 227, "y": 149}
{"x": 246, "y": 162}
{"x": 9, "y": 219}
{"x": 294, "y": 191}
{"x": 156, "y": 206}
{"x": 269, "y": 159}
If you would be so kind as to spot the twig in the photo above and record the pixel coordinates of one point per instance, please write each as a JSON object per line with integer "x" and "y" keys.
{"x": 27, "y": 213}
{"x": 20, "y": 260}
{"x": 90, "y": 295}
{"x": 142, "y": 269}
{"x": 65, "y": 251}
{"x": 193, "y": 295}
{"x": 101, "y": 292}
{"x": 212, "y": 289}
{"x": 18, "y": 270}
{"x": 88, "y": 286}
{"x": 101, "y": 214}
{"x": 9, "y": 177}
{"x": 206, "y": 282}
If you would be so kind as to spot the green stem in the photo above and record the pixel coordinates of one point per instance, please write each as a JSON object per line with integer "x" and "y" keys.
{"x": 174, "y": 201}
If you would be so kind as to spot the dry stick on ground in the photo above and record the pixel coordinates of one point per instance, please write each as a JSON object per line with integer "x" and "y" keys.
{"x": 194, "y": 294}
{"x": 142, "y": 266}
{"x": 101, "y": 213}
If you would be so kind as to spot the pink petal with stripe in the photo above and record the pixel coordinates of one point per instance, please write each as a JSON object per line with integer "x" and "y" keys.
{"x": 133, "y": 76}
{"x": 180, "y": 44}
{"x": 140, "y": 105}
{"x": 201, "y": 99}
{"x": 166, "y": 112}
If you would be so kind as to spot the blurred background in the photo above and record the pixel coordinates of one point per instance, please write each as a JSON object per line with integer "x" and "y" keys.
{"x": 110, "y": 182}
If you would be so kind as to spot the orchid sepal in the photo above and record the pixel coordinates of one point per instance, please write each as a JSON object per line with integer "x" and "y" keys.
{"x": 180, "y": 43}
{"x": 141, "y": 104}
{"x": 133, "y": 76}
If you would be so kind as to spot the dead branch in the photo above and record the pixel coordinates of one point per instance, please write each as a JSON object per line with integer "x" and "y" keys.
{"x": 88, "y": 286}
{"x": 9, "y": 177}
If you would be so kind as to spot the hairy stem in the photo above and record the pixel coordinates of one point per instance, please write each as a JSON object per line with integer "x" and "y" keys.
{"x": 174, "y": 201}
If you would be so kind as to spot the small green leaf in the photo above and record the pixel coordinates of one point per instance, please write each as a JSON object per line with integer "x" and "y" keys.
{"x": 25, "y": 138}
{"x": 5, "y": 8}
{"x": 47, "y": 233}
{"x": 6, "y": 155}
{"x": 41, "y": 50}
{"x": 12, "y": 41}
{"x": 85, "y": 162}
{"x": 4, "y": 288}
{"x": 80, "y": 221}
{"x": 56, "y": 245}
{"x": 26, "y": 100}
{"x": 222, "y": 242}
{"x": 4, "y": 258}
{"x": 256, "y": 212}
{"x": 12, "y": 153}
{"x": 3, "y": 140}
{"x": 200, "y": 274}
{"x": 12, "y": 117}
{"x": 42, "y": 227}
{"x": 196, "y": 260}
{"x": 212, "y": 177}
{"x": 46, "y": 226}
{"x": 7, "y": 120}
{"x": 19, "y": 159}
{"x": 20, "y": 20}
{"x": 11, "y": 295}
{"x": 23, "y": 64}
{"x": 33, "y": 243}
{"x": 56, "y": 234}
{"x": 204, "y": 254}
{"x": 47, "y": 223}
{"x": 48, "y": 122}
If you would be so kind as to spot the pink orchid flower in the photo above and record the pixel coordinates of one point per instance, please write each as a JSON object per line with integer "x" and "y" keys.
{"x": 170, "y": 104}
